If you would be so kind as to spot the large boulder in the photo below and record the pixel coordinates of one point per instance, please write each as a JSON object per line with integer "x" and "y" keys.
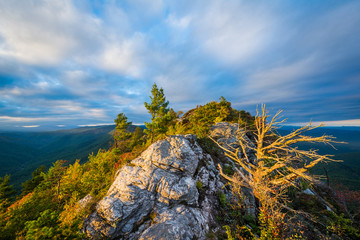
{"x": 157, "y": 196}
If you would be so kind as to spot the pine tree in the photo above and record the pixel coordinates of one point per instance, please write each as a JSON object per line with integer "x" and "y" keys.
{"x": 160, "y": 115}
{"x": 121, "y": 133}
{"x": 6, "y": 191}
{"x": 31, "y": 184}
{"x": 137, "y": 136}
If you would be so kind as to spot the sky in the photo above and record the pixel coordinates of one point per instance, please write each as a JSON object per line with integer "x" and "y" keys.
{"x": 65, "y": 64}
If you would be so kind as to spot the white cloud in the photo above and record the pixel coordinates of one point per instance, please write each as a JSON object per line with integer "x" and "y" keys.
{"x": 22, "y": 119}
{"x": 233, "y": 31}
{"x": 73, "y": 109}
{"x": 118, "y": 100}
{"x": 182, "y": 82}
{"x": 124, "y": 57}
{"x": 58, "y": 32}
{"x": 44, "y": 32}
{"x": 138, "y": 109}
{"x": 84, "y": 84}
{"x": 31, "y": 126}
{"x": 96, "y": 113}
{"x": 16, "y": 119}
{"x": 179, "y": 23}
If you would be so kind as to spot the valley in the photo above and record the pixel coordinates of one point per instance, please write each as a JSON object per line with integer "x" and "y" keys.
{"x": 22, "y": 152}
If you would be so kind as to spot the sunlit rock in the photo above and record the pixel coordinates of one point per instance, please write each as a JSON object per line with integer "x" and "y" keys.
{"x": 156, "y": 196}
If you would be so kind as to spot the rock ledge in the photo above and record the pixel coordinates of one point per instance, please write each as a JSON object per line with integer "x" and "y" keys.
{"x": 157, "y": 197}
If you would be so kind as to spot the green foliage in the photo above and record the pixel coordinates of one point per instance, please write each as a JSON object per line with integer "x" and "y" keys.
{"x": 161, "y": 116}
{"x": 121, "y": 122}
{"x": 49, "y": 205}
{"x": 228, "y": 232}
{"x": 6, "y": 190}
{"x": 233, "y": 218}
{"x": 6, "y": 193}
{"x": 137, "y": 137}
{"x": 341, "y": 226}
{"x": 99, "y": 172}
{"x": 51, "y": 210}
{"x": 121, "y": 134}
{"x": 158, "y": 105}
{"x": 209, "y": 146}
{"x": 249, "y": 219}
{"x": 28, "y": 208}
{"x": 222, "y": 199}
{"x": 31, "y": 184}
{"x": 244, "y": 232}
{"x": 44, "y": 227}
{"x": 199, "y": 120}
{"x": 268, "y": 229}
{"x": 23, "y": 152}
{"x": 52, "y": 179}
{"x": 228, "y": 170}
{"x": 199, "y": 185}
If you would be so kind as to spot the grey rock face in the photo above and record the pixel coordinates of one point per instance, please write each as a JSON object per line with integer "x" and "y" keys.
{"x": 156, "y": 197}
{"x": 226, "y": 134}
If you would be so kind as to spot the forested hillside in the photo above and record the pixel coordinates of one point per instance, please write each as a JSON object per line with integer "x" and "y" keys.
{"x": 345, "y": 173}
{"x": 22, "y": 152}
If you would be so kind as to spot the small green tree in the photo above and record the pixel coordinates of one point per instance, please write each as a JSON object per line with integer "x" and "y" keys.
{"x": 121, "y": 133}
{"x": 31, "y": 184}
{"x": 137, "y": 136}
{"x": 160, "y": 115}
{"x": 53, "y": 179}
{"x": 6, "y": 190}
{"x": 203, "y": 117}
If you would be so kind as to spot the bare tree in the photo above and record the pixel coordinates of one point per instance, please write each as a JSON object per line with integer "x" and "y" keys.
{"x": 276, "y": 165}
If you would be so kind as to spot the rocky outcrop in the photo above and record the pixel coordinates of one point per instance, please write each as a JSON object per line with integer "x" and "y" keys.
{"x": 169, "y": 192}
{"x": 172, "y": 192}
{"x": 226, "y": 134}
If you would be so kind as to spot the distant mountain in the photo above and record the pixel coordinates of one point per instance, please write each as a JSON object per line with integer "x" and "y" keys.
{"x": 346, "y": 172}
{"x": 22, "y": 152}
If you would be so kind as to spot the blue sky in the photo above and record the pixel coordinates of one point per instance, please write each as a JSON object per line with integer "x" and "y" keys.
{"x": 73, "y": 63}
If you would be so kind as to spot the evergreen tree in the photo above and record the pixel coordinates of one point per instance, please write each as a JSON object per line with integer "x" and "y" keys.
{"x": 6, "y": 190}
{"x": 160, "y": 115}
{"x": 137, "y": 136}
{"x": 121, "y": 122}
{"x": 121, "y": 133}
{"x": 37, "y": 178}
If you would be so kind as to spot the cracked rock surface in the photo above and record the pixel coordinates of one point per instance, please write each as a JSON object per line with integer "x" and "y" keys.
{"x": 156, "y": 195}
